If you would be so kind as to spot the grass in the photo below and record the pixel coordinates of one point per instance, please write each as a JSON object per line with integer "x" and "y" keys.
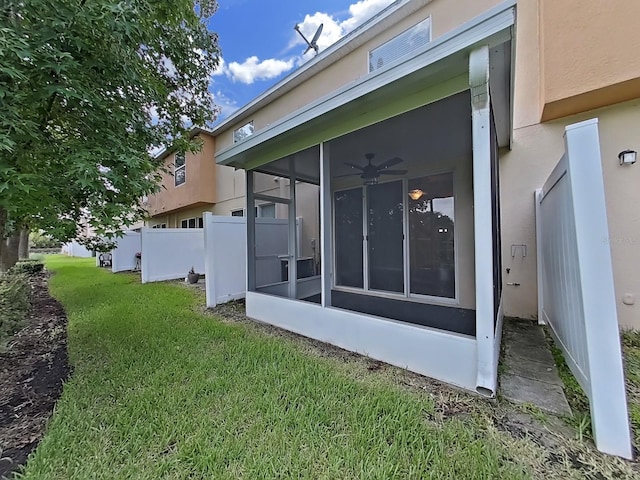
{"x": 161, "y": 390}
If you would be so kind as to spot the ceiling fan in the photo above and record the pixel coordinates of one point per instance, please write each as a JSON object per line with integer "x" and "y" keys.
{"x": 370, "y": 172}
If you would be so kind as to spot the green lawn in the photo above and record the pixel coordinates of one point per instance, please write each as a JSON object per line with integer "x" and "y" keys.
{"x": 160, "y": 390}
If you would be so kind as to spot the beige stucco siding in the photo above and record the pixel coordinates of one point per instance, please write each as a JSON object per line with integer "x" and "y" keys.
{"x": 199, "y": 186}
{"x": 536, "y": 150}
{"x": 445, "y": 16}
{"x": 588, "y": 47}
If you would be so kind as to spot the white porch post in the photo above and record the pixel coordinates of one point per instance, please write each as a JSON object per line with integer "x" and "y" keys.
{"x": 251, "y": 234}
{"x": 293, "y": 256}
{"x": 483, "y": 224}
{"x": 326, "y": 225}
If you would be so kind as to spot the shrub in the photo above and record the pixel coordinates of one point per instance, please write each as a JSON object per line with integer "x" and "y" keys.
{"x": 27, "y": 267}
{"x": 14, "y": 302}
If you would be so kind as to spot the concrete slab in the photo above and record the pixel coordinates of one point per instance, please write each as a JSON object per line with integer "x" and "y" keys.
{"x": 544, "y": 395}
{"x": 529, "y": 372}
{"x": 525, "y": 352}
{"x": 534, "y": 371}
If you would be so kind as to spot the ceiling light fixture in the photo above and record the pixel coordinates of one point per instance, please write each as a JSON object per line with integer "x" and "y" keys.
{"x": 416, "y": 194}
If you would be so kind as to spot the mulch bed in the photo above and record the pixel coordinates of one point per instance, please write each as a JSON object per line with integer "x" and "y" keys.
{"x": 33, "y": 367}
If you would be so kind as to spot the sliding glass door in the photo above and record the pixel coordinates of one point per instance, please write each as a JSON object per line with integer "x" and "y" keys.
{"x": 385, "y": 249}
{"x": 397, "y": 237}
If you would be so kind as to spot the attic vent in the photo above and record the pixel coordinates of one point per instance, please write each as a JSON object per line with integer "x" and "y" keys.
{"x": 400, "y": 45}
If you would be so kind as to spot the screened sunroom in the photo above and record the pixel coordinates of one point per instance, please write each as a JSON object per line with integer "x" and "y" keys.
{"x": 402, "y": 262}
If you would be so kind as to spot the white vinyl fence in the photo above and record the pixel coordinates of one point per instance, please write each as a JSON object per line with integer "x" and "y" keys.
{"x": 576, "y": 295}
{"x": 169, "y": 253}
{"x": 74, "y": 249}
{"x": 225, "y": 240}
{"x": 123, "y": 257}
{"x": 225, "y": 252}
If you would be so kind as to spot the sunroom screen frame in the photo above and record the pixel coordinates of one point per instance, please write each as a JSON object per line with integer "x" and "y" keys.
{"x": 458, "y": 359}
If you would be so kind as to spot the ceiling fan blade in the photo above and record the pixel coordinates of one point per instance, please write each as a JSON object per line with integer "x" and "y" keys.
{"x": 348, "y": 175}
{"x": 389, "y": 163}
{"x": 353, "y": 165}
{"x": 393, "y": 172}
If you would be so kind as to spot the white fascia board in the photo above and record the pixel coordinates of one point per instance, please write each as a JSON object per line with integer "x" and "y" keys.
{"x": 494, "y": 26}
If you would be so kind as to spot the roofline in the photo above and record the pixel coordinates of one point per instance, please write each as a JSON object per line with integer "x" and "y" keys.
{"x": 192, "y": 133}
{"x": 491, "y": 23}
{"x": 380, "y": 22}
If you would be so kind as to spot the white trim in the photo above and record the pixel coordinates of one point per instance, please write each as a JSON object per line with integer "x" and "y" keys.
{"x": 492, "y": 27}
{"x": 537, "y": 198}
{"x": 482, "y": 219}
{"x": 326, "y": 225}
{"x": 445, "y": 356}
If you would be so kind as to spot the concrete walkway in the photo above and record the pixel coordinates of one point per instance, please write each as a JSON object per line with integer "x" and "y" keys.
{"x": 528, "y": 372}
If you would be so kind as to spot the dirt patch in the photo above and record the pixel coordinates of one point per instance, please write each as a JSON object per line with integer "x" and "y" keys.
{"x": 33, "y": 367}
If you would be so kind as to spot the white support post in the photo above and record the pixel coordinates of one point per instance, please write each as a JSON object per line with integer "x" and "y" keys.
{"x": 251, "y": 235}
{"x": 483, "y": 223}
{"x": 537, "y": 197}
{"x": 608, "y": 400}
{"x": 326, "y": 225}
{"x": 293, "y": 258}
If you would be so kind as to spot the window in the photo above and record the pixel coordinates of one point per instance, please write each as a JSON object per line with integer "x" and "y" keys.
{"x": 267, "y": 211}
{"x": 237, "y": 213}
{"x": 243, "y": 132}
{"x": 397, "y": 237}
{"x": 408, "y": 41}
{"x": 192, "y": 223}
{"x": 160, "y": 225}
{"x": 179, "y": 169}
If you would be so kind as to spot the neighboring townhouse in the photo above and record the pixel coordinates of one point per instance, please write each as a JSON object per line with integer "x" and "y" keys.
{"x": 195, "y": 184}
{"x": 428, "y": 130}
{"x": 189, "y": 187}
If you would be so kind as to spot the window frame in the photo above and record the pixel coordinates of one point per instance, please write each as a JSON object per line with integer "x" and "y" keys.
{"x": 182, "y": 168}
{"x": 370, "y": 52}
{"x": 406, "y": 295}
{"x": 198, "y": 222}
{"x": 236, "y": 132}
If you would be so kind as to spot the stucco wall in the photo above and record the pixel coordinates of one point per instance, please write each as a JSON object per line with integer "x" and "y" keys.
{"x": 536, "y": 150}
{"x": 199, "y": 186}
{"x": 590, "y": 54}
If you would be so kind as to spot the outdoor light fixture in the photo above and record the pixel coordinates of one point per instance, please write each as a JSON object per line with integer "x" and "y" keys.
{"x": 627, "y": 157}
{"x": 416, "y": 194}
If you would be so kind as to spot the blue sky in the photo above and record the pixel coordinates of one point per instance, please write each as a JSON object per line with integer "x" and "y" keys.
{"x": 259, "y": 45}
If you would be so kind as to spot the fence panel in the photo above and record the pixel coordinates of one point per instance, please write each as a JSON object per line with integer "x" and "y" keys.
{"x": 575, "y": 283}
{"x": 169, "y": 253}
{"x": 124, "y": 255}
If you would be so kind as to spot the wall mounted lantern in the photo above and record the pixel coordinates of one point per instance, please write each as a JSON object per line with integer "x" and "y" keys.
{"x": 627, "y": 157}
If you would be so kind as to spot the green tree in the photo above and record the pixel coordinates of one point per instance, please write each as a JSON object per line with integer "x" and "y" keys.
{"x": 87, "y": 89}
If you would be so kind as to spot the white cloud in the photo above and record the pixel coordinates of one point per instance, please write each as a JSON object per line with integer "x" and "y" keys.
{"x": 361, "y": 11}
{"x": 227, "y": 105}
{"x": 221, "y": 70}
{"x": 253, "y": 69}
{"x": 334, "y": 29}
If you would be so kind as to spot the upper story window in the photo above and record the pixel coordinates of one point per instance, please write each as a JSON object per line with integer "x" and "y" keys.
{"x": 179, "y": 169}
{"x": 400, "y": 45}
{"x": 243, "y": 132}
